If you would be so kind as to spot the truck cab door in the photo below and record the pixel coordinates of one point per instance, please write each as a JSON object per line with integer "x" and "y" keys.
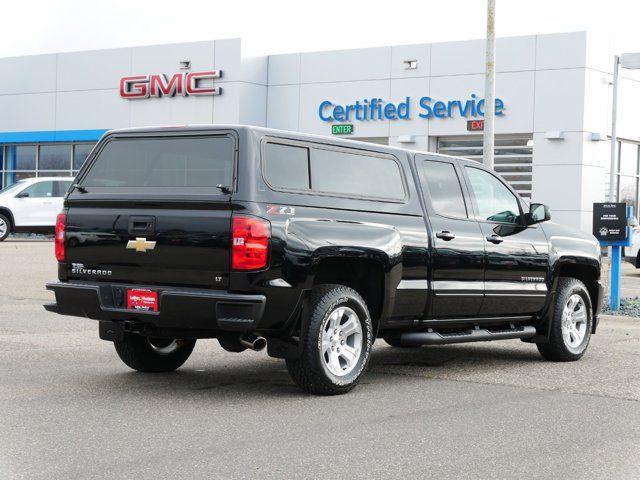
{"x": 457, "y": 247}
{"x": 517, "y": 254}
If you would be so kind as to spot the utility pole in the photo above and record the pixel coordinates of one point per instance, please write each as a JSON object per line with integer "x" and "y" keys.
{"x": 614, "y": 139}
{"x": 490, "y": 86}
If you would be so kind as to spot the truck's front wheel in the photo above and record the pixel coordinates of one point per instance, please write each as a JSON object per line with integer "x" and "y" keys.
{"x": 337, "y": 342}
{"x": 153, "y": 354}
{"x": 571, "y": 323}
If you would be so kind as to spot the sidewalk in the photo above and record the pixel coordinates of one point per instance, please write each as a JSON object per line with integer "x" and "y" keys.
{"x": 630, "y": 285}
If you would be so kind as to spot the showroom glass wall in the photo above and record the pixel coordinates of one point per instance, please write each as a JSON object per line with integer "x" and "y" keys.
{"x": 629, "y": 174}
{"x": 18, "y": 161}
{"x": 627, "y": 178}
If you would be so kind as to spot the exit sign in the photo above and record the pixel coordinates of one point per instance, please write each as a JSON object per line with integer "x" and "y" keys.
{"x": 342, "y": 129}
{"x": 475, "y": 125}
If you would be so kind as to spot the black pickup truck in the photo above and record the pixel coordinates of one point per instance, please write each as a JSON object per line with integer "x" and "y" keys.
{"x": 312, "y": 247}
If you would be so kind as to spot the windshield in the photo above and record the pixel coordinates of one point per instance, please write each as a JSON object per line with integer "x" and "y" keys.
{"x": 197, "y": 164}
{"x": 13, "y": 188}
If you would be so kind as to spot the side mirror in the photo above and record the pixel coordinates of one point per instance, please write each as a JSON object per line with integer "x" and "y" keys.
{"x": 538, "y": 212}
{"x": 22, "y": 195}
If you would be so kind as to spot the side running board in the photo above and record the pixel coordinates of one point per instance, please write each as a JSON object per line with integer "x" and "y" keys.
{"x": 430, "y": 337}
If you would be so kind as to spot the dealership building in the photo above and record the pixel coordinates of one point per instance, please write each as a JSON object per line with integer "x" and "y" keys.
{"x": 553, "y": 106}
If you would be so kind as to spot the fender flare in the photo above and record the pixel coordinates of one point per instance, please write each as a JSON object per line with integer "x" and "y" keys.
{"x": 583, "y": 263}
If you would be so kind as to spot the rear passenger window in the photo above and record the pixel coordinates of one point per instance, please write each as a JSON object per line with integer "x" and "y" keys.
{"x": 287, "y": 166}
{"x": 443, "y": 187}
{"x": 335, "y": 171}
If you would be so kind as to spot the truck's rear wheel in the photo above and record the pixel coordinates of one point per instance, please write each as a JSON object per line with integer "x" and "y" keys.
{"x": 571, "y": 323}
{"x": 153, "y": 354}
{"x": 337, "y": 343}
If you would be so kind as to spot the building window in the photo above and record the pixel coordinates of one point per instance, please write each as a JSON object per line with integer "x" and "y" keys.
{"x": 80, "y": 153}
{"x": 41, "y": 160}
{"x": 54, "y": 157}
{"x": 627, "y": 177}
{"x": 19, "y": 162}
{"x": 20, "y": 157}
{"x": 513, "y": 158}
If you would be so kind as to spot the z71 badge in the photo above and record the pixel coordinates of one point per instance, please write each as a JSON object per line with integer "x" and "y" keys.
{"x": 278, "y": 210}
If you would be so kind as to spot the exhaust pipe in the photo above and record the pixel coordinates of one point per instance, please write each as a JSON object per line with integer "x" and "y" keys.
{"x": 253, "y": 342}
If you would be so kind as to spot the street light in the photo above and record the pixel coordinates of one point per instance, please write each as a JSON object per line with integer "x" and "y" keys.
{"x": 489, "y": 87}
{"x": 629, "y": 61}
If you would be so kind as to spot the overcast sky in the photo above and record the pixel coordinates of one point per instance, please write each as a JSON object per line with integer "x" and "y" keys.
{"x": 273, "y": 26}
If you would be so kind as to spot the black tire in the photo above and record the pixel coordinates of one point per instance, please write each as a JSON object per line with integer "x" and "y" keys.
{"x": 4, "y": 233}
{"x": 311, "y": 371}
{"x": 558, "y": 349}
{"x": 153, "y": 355}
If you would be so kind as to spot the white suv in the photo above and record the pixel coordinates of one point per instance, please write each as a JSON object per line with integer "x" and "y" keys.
{"x": 31, "y": 205}
{"x": 632, "y": 253}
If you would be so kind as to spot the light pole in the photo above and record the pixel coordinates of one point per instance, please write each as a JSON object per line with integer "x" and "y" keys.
{"x": 489, "y": 87}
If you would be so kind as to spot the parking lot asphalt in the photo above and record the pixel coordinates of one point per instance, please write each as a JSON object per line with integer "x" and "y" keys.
{"x": 70, "y": 409}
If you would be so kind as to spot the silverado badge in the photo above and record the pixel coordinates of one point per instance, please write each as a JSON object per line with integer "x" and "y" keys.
{"x": 141, "y": 245}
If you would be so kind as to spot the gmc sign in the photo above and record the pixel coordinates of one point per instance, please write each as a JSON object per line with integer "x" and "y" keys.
{"x": 184, "y": 84}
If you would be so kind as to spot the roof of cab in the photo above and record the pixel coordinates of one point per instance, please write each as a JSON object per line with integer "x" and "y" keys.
{"x": 262, "y": 131}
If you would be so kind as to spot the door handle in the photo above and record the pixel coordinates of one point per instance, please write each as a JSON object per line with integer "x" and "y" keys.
{"x": 445, "y": 235}
{"x": 494, "y": 239}
{"x": 142, "y": 225}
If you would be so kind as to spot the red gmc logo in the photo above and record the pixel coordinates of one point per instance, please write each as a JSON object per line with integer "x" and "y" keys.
{"x": 185, "y": 84}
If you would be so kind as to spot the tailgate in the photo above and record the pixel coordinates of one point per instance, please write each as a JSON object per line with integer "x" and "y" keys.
{"x": 175, "y": 245}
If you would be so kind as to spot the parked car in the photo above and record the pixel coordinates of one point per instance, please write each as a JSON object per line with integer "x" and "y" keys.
{"x": 31, "y": 205}
{"x": 632, "y": 253}
{"x": 313, "y": 247}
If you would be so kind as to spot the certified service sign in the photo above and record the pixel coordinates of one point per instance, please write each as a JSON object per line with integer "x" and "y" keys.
{"x": 159, "y": 85}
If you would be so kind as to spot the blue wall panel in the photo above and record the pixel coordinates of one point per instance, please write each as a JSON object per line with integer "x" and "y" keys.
{"x": 51, "y": 136}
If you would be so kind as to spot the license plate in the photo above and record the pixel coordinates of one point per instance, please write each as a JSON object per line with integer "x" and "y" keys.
{"x": 139, "y": 299}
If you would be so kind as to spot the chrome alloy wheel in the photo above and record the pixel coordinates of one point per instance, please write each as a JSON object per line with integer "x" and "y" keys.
{"x": 341, "y": 341}
{"x": 3, "y": 228}
{"x": 574, "y": 321}
{"x": 164, "y": 346}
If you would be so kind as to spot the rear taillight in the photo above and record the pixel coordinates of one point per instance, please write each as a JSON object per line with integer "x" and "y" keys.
{"x": 61, "y": 221}
{"x": 249, "y": 243}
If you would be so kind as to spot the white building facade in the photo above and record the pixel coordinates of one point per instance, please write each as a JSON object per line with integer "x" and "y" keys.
{"x": 552, "y": 110}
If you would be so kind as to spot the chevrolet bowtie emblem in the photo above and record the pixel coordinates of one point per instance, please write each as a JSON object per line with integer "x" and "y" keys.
{"x": 140, "y": 245}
